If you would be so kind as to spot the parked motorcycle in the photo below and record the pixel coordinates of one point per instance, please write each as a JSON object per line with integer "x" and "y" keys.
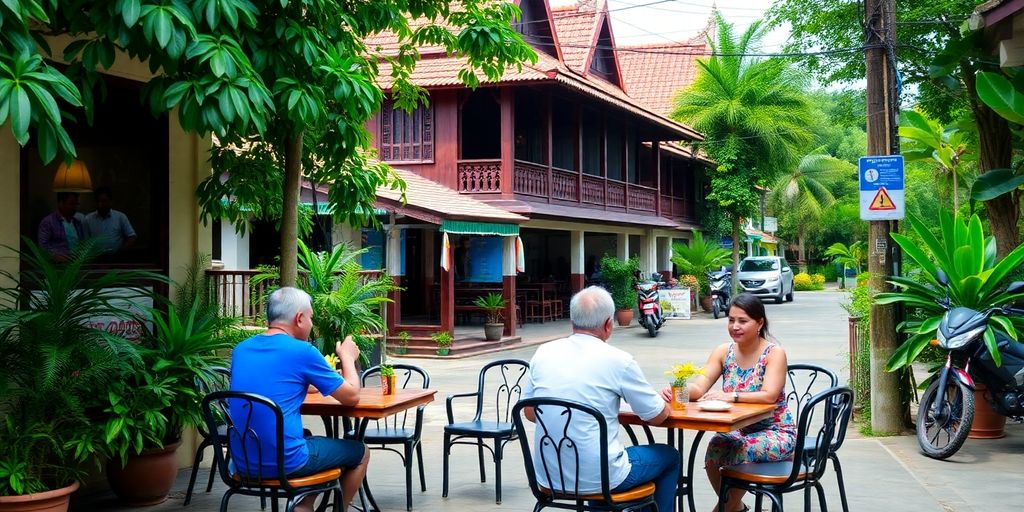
{"x": 720, "y": 284}
{"x": 947, "y": 406}
{"x": 649, "y": 305}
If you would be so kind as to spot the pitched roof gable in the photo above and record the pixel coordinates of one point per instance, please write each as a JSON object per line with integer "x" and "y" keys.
{"x": 655, "y": 73}
{"x": 537, "y": 27}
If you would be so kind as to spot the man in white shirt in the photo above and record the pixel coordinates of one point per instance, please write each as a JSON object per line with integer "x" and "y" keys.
{"x": 584, "y": 368}
{"x": 110, "y": 226}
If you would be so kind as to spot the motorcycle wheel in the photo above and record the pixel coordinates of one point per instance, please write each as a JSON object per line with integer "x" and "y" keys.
{"x": 940, "y": 438}
{"x": 652, "y": 328}
{"x": 716, "y": 310}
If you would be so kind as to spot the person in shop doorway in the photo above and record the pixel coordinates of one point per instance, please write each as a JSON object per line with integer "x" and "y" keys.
{"x": 111, "y": 228}
{"x": 61, "y": 231}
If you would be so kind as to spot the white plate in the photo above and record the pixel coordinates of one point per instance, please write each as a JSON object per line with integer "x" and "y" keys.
{"x": 714, "y": 405}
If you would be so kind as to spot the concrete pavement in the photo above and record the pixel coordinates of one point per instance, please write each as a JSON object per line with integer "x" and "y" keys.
{"x": 880, "y": 473}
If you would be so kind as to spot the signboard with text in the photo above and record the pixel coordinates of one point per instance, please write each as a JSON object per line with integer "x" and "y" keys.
{"x": 881, "y": 187}
{"x": 135, "y": 302}
{"x": 675, "y": 303}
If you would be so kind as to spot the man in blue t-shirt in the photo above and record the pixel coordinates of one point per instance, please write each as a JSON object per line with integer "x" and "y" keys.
{"x": 281, "y": 365}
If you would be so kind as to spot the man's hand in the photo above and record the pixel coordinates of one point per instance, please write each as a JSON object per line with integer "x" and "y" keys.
{"x": 347, "y": 350}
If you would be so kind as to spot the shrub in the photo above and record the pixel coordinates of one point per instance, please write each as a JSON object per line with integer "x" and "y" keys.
{"x": 620, "y": 277}
{"x": 863, "y": 278}
{"x": 802, "y": 282}
{"x": 817, "y": 282}
{"x": 688, "y": 281}
{"x": 830, "y": 272}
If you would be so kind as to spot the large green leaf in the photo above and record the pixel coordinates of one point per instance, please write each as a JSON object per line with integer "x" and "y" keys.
{"x": 993, "y": 348}
{"x": 994, "y": 183}
{"x": 996, "y": 91}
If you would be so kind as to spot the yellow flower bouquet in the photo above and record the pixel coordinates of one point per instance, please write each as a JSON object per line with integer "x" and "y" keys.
{"x": 683, "y": 372}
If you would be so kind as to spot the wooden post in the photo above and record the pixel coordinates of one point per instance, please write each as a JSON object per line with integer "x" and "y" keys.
{"x": 656, "y": 146}
{"x": 508, "y": 135}
{"x": 508, "y": 284}
{"x": 548, "y": 152}
{"x": 447, "y": 292}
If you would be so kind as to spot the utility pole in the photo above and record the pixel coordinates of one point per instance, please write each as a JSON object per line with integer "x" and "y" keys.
{"x": 880, "y": 39}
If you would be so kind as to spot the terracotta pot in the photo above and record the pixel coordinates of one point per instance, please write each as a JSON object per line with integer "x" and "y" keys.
{"x": 492, "y": 332}
{"x": 705, "y": 302}
{"x": 387, "y": 384}
{"x": 988, "y": 424}
{"x": 624, "y": 317}
{"x": 146, "y": 478}
{"x": 50, "y": 501}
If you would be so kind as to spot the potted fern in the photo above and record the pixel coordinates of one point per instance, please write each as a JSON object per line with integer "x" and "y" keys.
{"x": 443, "y": 339}
{"x": 492, "y": 304}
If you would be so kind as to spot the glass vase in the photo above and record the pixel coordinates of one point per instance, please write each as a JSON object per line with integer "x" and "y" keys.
{"x": 680, "y": 397}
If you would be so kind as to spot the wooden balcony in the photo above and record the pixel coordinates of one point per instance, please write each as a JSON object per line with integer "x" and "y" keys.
{"x": 560, "y": 185}
{"x": 479, "y": 176}
{"x": 679, "y": 209}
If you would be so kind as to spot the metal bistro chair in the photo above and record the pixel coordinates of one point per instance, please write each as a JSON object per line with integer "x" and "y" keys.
{"x": 247, "y": 405}
{"x": 396, "y": 429}
{"x": 810, "y": 459}
{"x": 222, "y": 381}
{"x": 558, "y": 459}
{"x": 805, "y": 380}
{"x": 505, "y": 379}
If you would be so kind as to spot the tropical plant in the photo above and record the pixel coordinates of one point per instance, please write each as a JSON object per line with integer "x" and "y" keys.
{"x": 403, "y": 342}
{"x": 849, "y": 256}
{"x": 754, "y": 117}
{"x": 620, "y": 276}
{"x": 57, "y": 365}
{"x": 946, "y": 147}
{"x": 975, "y": 280}
{"x": 800, "y": 192}
{"x": 699, "y": 258}
{"x": 345, "y": 302}
{"x": 493, "y": 304}
{"x": 443, "y": 339}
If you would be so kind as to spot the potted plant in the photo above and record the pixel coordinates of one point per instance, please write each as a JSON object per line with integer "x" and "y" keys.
{"x": 403, "y": 343}
{"x": 493, "y": 304}
{"x": 57, "y": 368}
{"x": 698, "y": 259}
{"x": 345, "y": 301}
{"x": 155, "y": 399}
{"x": 620, "y": 276}
{"x": 681, "y": 374}
{"x": 443, "y": 339}
{"x": 387, "y": 378}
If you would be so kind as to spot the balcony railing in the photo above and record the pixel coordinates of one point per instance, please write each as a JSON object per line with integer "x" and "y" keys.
{"x": 540, "y": 181}
{"x": 480, "y": 176}
{"x": 678, "y": 208}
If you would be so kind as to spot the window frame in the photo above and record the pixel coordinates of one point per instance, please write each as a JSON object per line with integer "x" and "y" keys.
{"x": 425, "y": 131}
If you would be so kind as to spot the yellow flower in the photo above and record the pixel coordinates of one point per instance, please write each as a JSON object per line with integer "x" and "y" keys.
{"x": 683, "y": 372}
{"x": 332, "y": 360}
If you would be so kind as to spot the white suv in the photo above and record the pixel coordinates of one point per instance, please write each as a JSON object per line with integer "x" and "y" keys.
{"x": 767, "y": 276}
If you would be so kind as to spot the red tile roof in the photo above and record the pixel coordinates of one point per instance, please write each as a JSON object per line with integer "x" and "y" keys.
{"x": 577, "y": 33}
{"x": 655, "y": 73}
{"x": 430, "y": 201}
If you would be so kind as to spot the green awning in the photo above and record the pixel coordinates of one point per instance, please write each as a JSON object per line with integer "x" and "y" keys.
{"x": 465, "y": 227}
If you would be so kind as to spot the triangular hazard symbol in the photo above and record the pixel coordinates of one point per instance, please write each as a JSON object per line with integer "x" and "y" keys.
{"x": 882, "y": 201}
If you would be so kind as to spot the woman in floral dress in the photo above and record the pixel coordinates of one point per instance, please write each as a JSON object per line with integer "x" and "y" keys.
{"x": 753, "y": 370}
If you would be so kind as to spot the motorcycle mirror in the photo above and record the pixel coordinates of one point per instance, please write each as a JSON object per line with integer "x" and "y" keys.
{"x": 942, "y": 278}
{"x": 1015, "y": 287}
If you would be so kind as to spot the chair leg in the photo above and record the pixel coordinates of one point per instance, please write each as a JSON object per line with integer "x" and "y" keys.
{"x": 839, "y": 477}
{"x": 758, "y": 501}
{"x": 195, "y": 469}
{"x": 408, "y": 476}
{"x": 723, "y": 494}
{"x": 480, "y": 453}
{"x": 224, "y": 500}
{"x": 821, "y": 497}
{"x": 444, "y": 471}
{"x": 273, "y": 500}
{"x": 498, "y": 445}
{"x": 776, "y": 501}
{"x": 419, "y": 458}
{"x": 807, "y": 498}
{"x": 339, "y": 499}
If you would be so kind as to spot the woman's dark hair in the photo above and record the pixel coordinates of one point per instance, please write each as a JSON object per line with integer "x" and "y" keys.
{"x": 754, "y": 308}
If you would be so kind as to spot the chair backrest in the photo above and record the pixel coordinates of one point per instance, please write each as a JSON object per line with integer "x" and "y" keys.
{"x": 221, "y": 381}
{"x": 806, "y": 380}
{"x": 823, "y": 416}
{"x": 554, "y": 461}
{"x": 245, "y": 447}
{"x": 499, "y": 388}
{"x": 407, "y": 376}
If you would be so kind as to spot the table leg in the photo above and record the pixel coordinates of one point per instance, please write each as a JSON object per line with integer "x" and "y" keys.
{"x": 360, "y": 435}
{"x": 336, "y": 430}
{"x": 688, "y": 477}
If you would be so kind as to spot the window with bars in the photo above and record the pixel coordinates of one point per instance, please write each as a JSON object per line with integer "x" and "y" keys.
{"x": 406, "y": 136}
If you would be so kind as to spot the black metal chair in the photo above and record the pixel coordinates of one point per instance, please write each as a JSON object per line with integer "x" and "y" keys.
{"x": 222, "y": 381}
{"x": 396, "y": 429}
{"x": 215, "y": 409}
{"x": 830, "y": 408}
{"x": 806, "y": 380}
{"x": 554, "y": 475}
{"x": 505, "y": 379}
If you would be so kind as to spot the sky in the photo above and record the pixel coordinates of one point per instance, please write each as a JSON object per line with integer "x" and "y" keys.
{"x": 678, "y": 20}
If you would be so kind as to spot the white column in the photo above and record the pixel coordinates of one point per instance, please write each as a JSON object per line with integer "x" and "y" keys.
{"x": 344, "y": 233}
{"x": 649, "y": 253}
{"x": 393, "y": 248}
{"x": 664, "y": 248}
{"x": 622, "y": 246}
{"x": 577, "y": 252}
{"x": 234, "y": 248}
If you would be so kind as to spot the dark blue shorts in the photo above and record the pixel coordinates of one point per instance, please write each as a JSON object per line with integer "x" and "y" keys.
{"x": 327, "y": 453}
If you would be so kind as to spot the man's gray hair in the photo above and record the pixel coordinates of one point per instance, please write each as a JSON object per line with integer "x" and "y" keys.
{"x": 285, "y": 303}
{"x": 591, "y": 308}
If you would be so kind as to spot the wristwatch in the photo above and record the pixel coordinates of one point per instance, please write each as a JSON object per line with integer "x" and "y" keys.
{"x": 735, "y": 396}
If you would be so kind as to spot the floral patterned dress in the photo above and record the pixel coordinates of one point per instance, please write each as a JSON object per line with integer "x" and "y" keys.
{"x": 767, "y": 441}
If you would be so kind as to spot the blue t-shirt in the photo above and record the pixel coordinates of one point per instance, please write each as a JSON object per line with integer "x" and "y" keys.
{"x": 280, "y": 368}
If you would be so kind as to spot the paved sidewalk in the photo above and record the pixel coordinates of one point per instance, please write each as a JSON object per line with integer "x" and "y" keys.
{"x": 881, "y": 474}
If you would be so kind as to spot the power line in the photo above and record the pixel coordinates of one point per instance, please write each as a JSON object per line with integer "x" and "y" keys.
{"x": 668, "y": 51}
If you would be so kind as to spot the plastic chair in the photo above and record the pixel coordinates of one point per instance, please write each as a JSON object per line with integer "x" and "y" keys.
{"x": 805, "y": 380}
{"x": 559, "y": 459}
{"x": 773, "y": 479}
{"x": 222, "y": 382}
{"x": 215, "y": 409}
{"x": 396, "y": 429}
{"x": 505, "y": 379}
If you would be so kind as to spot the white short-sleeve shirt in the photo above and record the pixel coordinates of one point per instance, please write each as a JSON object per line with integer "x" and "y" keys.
{"x": 585, "y": 369}
{"x": 112, "y": 230}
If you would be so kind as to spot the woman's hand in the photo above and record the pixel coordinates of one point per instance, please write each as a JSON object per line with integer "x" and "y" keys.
{"x": 666, "y": 395}
{"x": 716, "y": 394}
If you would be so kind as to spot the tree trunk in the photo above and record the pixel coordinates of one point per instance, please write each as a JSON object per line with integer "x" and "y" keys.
{"x": 801, "y": 253}
{"x": 735, "y": 254}
{"x": 290, "y": 211}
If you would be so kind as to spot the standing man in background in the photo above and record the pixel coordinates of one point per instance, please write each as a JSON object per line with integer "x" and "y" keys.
{"x": 110, "y": 226}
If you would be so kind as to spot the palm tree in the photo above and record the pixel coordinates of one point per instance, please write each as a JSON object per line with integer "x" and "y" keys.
{"x": 800, "y": 193}
{"x": 849, "y": 256}
{"x": 753, "y": 114}
{"x": 699, "y": 258}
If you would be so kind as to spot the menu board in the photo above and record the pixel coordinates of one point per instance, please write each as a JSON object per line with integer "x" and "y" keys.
{"x": 675, "y": 303}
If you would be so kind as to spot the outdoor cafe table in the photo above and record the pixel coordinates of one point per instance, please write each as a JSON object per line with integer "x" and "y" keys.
{"x": 373, "y": 405}
{"x": 692, "y": 418}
